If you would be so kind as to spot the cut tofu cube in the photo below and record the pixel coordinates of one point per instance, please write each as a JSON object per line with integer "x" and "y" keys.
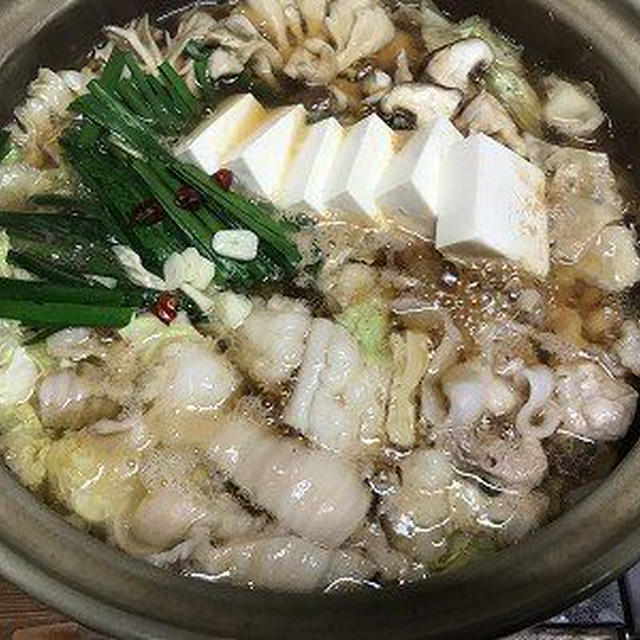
{"x": 409, "y": 190}
{"x": 261, "y": 163}
{"x": 306, "y": 184}
{"x": 363, "y": 157}
{"x": 210, "y": 144}
{"x": 492, "y": 203}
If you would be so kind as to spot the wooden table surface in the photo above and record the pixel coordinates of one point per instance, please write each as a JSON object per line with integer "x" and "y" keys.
{"x": 22, "y": 618}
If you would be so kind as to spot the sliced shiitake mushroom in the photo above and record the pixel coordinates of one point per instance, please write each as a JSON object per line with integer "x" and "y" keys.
{"x": 486, "y": 114}
{"x": 426, "y": 101}
{"x": 456, "y": 64}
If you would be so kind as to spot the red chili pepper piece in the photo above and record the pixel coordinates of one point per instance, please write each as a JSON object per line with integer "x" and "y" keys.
{"x": 224, "y": 177}
{"x": 147, "y": 213}
{"x": 166, "y": 308}
{"x": 188, "y": 198}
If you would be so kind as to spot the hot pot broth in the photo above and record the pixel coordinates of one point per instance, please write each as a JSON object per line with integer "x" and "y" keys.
{"x": 276, "y": 350}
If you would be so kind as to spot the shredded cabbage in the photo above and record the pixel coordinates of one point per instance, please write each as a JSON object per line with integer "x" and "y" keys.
{"x": 41, "y": 357}
{"x": 232, "y": 309}
{"x": 10, "y": 339}
{"x": 25, "y": 444}
{"x": 18, "y": 379}
{"x": 369, "y": 323}
{"x": 611, "y": 262}
{"x": 95, "y": 475}
{"x": 464, "y": 548}
{"x": 188, "y": 267}
{"x": 506, "y": 78}
{"x": 132, "y": 263}
{"x": 148, "y": 335}
{"x": 19, "y": 368}
{"x": 20, "y": 181}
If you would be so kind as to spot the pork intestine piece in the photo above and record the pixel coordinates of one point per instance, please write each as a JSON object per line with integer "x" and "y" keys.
{"x": 71, "y": 400}
{"x": 271, "y": 342}
{"x": 189, "y": 377}
{"x": 434, "y": 501}
{"x": 315, "y": 494}
{"x": 473, "y": 389}
{"x": 594, "y": 405}
{"x": 339, "y": 400}
{"x": 539, "y": 416}
{"x": 282, "y": 563}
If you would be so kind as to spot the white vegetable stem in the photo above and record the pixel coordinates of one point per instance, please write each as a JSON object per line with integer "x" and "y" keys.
{"x": 132, "y": 264}
{"x": 238, "y": 244}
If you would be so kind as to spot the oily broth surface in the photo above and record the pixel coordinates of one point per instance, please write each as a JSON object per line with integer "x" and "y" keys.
{"x": 478, "y": 291}
{"x": 409, "y": 266}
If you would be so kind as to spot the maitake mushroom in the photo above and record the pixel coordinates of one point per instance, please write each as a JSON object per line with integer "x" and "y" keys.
{"x": 314, "y": 61}
{"x": 139, "y": 37}
{"x": 309, "y": 40}
{"x": 238, "y": 43}
{"x": 375, "y": 85}
{"x": 195, "y": 26}
{"x": 371, "y": 30}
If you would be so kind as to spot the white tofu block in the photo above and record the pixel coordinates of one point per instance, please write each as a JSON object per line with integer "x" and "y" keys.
{"x": 409, "y": 190}
{"x": 210, "y": 144}
{"x": 261, "y": 163}
{"x": 306, "y": 184}
{"x": 492, "y": 204}
{"x": 362, "y": 158}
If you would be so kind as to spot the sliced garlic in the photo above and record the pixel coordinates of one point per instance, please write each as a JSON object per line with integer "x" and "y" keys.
{"x": 238, "y": 244}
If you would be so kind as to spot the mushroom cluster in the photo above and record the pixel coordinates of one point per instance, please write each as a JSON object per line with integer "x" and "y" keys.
{"x": 332, "y": 44}
{"x": 313, "y": 41}
{"x": 469, "y": 73}
{"x": 358, "y": 56}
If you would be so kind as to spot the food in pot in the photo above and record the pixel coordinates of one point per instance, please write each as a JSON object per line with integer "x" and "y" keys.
{"x": 314, "y": 295}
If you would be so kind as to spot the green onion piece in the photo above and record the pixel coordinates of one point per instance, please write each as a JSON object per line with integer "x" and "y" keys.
{"x": 11, "y": 289}
{"x": 43, "y": 269}
{"x": 84, "y": 206}
{"x": 60, "y": 314}
{"x": 249, "y": 215}
{"x": 178, "y": 88}
{"x": 89, "y": 135}
{"x": 134, "y": 100}
{"x": 63, "y": 226}
{"x": 129, "y": 164}
{"x": 112, "y": 71}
